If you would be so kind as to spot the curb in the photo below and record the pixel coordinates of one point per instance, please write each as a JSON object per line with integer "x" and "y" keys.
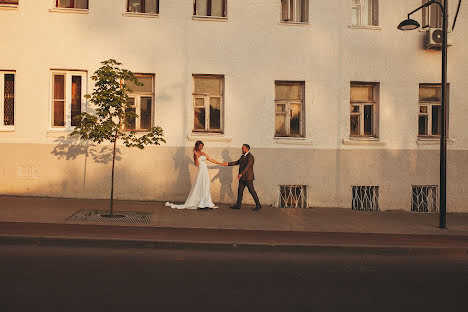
{"x": 231, "y": 246}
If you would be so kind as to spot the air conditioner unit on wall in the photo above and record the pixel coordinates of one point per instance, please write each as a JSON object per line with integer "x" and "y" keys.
{"x": 433, "y": 39}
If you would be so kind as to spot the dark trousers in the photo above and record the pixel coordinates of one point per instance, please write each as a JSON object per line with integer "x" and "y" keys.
{"x": 240, "y": 192}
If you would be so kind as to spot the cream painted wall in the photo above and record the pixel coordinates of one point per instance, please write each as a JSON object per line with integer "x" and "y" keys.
{"x": 252, "y": 49}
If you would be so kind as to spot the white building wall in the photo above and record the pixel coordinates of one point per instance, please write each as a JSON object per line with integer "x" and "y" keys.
{"x": 251, "y": 49}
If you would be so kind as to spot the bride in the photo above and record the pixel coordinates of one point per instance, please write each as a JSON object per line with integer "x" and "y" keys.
{"x": 200, "y": 195}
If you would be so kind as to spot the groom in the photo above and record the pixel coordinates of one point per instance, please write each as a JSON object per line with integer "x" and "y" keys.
{"x": 246, "y": 177}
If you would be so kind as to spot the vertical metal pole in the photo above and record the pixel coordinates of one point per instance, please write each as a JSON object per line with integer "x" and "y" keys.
{"x": 112, "y": 183}
{"x": 444, "y": 117}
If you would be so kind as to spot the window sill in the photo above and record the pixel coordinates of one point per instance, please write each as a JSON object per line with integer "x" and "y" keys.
{"x": 209, "y": 18}
{"x": 292, "y": 140}
{"x": 365, "y": 27}
{"x": 7, "y": 128}
{"x": 8, "y": 7}
{"x": 68, "y": 10}
{"x": 56, "y": 133}
{"x": 209, "y": 137}
{"x": 364, "y": 142}
{"x": 433, "y": 141}
{"x": 134, "y": 14}
{"x": 294, "y": 23}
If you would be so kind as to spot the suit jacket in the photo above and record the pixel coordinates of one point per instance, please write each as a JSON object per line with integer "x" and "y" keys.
{"x": 246, "y": 163}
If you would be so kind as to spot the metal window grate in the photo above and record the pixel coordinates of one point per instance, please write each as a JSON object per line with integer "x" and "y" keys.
{"x": 293, "y": 196}
{"x": 424, "y": 198}
{"x": 365, "y": 198}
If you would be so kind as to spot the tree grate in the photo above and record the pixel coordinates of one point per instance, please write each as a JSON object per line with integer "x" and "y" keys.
{"x": 87, "y": 215}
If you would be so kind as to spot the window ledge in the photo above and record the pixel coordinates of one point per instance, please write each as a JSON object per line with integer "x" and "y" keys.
{"x": 69, "y": 10}
{"x": 209, "y": 137}
{"x": 7, "y": 128}
{"x": 209, "y": 18}
{"x": 365, "y": 27}
{"x": 294, "y": 23}
{"x": 56, "y": 133}
{"x": 292, "y": 141}
{"x": 8, "y": 7}
{"x": 134, "y": 14}
{"x": 433, "y": 141}
{"x": 364, "y": 141}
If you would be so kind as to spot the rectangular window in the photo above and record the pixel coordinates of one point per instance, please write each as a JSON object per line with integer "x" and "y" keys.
{"x": 295, "y": 11}
{"x": 365, "y": 13}
{"x": 7, "y": 99}
{"x": 214, "y": 8}
{"x": 364, "y": 109}
{"x": 208, "y": 102}
{"x": 142, "y": 100}
{"x": 72, "y": 4}
{"x": 9, "y": 2}
{"x": 143, "y": 6}
{"x": 430, "y": 110}
{"x": 67, "y": 98}
{"x": 289, "y": 109}
{"x": 365, "y": 198}
{"x": 431, "y": 16}
{"x": 424, "y": 198}
{"x": 293, "y": 196}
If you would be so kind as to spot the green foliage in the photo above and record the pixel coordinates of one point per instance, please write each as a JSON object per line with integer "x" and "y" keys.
{"x": 113, "y": 109}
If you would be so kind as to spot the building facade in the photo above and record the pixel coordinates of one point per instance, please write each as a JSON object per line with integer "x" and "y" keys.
{"x": 341, "y": 108}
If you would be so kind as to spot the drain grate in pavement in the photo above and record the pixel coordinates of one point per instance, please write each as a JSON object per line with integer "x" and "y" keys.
{"x": 96, "y": 216}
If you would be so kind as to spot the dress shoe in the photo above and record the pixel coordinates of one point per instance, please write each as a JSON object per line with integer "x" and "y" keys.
{"x": 234, "y": 207}
{"x": 257, "y": 208}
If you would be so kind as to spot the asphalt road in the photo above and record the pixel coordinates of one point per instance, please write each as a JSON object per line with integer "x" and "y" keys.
{"x": 39, "y": 278}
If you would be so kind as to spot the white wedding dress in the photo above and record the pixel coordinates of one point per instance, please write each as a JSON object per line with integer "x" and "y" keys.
{"x": 200, "y": 195}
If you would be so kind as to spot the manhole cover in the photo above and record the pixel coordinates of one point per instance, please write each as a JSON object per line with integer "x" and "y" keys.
{"x": 98, "y": 216}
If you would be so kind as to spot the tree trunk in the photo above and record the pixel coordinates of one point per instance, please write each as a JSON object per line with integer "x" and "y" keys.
{"x": 112, "y": 183}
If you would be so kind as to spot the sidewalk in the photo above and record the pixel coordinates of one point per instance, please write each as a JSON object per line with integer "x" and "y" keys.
{"x": 43, "y": 219}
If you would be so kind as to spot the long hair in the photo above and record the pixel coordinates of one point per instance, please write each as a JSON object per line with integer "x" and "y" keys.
{"x": 197, "y": 145}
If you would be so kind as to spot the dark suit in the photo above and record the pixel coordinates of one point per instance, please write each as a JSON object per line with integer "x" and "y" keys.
{"x": 246, "y": 163}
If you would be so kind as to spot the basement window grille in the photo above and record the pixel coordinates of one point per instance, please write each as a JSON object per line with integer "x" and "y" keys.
{"x": 293, "y": 196}
{"x": 365, "y": 198}
{"x": 424, "y": 198}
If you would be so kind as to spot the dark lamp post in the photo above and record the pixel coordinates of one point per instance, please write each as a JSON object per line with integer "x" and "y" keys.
{"x": 410, "y": 24}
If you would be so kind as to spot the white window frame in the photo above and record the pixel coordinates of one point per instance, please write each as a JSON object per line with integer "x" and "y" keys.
{"x": 288, "y": 110}
{"x": 361, "y": 104}
{"x": 292, "y": 18}
{"x": 4, "y": 127}
{"x": 68, "y": 93}
{"x": 136, "y": 96}
{"x": 429, "y": 105}
{"x": 131, "y": 13}
{"x": 362, "y": 7}
{"x": 206, "y": 101}
{"x": 427, "y": 16}
{"x": 196, "y": 15}
{"x": 7, "y": 6}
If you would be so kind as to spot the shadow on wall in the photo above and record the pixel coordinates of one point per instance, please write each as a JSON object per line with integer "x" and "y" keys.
{"x": 72, "y": 148}
{"x": 181, "y": 169}
{"x": 225, "y": 178}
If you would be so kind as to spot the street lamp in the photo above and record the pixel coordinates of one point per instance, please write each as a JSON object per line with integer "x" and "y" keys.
{"x": 410, "y": 24}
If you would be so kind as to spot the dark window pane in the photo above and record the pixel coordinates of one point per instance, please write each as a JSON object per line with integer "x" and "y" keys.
{"x": 9, "y": 100}
{"x": 76, "y": 99}
{"x": 295, "y": 119}
{"x": 355, "y": 125}
{"x": 215, "y": 113}
{"x": 436, "y": 119}
{"x": 368, "y": 119}
{"x": 199, "y": 119}
{"x": 78, "y": 4}
{"x": 8, "y": 1}
{"x": 422, "y": 125}
{"x": 145, "y": 113}
{"x": 59, "y": 101}
{"x": 130, "y": 115}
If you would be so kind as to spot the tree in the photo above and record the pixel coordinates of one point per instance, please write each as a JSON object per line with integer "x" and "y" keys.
{"x": 113, "y": 111}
